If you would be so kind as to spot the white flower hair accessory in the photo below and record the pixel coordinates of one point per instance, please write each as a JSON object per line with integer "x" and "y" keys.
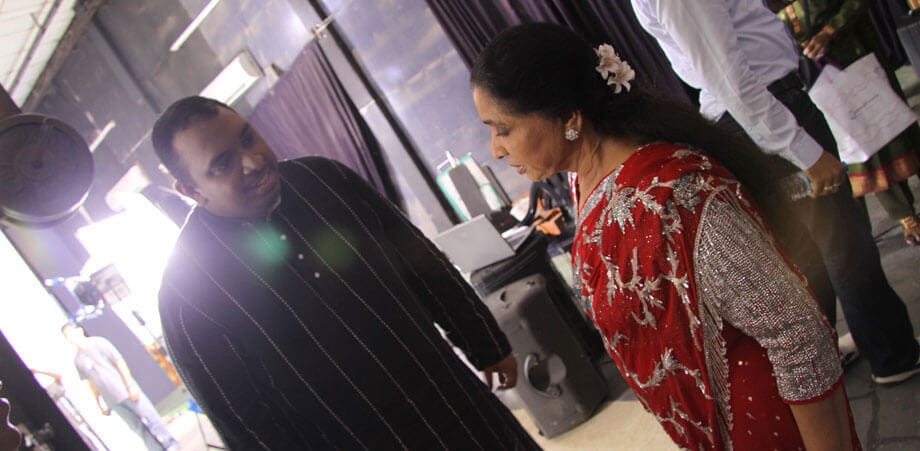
{"x": 616, "y": 71}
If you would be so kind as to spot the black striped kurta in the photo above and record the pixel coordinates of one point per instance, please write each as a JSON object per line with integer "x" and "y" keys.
{"x": 314, "y": 329}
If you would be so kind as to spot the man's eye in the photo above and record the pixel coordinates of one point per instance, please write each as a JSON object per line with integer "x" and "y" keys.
{"x": 248, "y": 141}
{"x": 502, "y": 132}
{"x": 218, "y": 167}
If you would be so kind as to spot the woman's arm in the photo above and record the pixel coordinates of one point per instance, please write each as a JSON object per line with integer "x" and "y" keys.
{"x": 754, "y": 289}
{"x": 841, "y": 21}
{"x": 850, "y": 12}
{"x": 824, "y": 424}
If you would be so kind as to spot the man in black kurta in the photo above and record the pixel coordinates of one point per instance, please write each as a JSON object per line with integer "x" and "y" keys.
{"x": 311, "y": 326}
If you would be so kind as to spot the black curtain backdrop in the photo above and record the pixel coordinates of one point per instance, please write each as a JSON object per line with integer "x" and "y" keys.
{"x": 470, "y": 24}
{"x": 307, "y": 112}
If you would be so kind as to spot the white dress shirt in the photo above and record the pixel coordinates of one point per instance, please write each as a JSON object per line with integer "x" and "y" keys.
{"x": 731, "y": 50}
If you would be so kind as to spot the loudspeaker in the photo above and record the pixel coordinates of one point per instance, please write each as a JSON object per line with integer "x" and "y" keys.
{"x": 557, "y": 381}
{"x": 532, "y": 258}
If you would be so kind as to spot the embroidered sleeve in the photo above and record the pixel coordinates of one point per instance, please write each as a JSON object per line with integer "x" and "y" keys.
{"x": 743, "y": 277}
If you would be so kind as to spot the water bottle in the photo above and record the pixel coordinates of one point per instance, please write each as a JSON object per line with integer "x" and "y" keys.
{"x": 796, "y": 186}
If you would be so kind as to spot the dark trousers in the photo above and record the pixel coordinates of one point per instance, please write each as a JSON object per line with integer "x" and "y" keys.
{"x": 830, "y": 239}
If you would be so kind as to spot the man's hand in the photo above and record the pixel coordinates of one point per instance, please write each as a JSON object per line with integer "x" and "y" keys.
{"x": 506, "y": 370}
{"x": 827, "y": 174}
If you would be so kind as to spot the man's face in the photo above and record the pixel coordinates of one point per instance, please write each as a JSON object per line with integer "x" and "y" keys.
{"x": 234, "y": 174}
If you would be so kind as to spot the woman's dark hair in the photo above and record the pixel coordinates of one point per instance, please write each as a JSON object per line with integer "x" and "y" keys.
{"x": 547, "y": 69}
{"x": 176, "y": 118}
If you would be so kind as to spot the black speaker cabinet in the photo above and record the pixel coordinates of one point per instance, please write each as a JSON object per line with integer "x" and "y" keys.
{"x": 532, "y": 258}
{"x": 557, "y": 381}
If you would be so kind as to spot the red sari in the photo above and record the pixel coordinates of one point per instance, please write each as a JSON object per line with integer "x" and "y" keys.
{"x": 711, "y": 327}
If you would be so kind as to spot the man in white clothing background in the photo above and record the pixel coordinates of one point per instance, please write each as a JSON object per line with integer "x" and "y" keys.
{"x": 745, "y": 64}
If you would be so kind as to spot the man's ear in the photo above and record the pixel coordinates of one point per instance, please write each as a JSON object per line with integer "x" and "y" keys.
{"x": 189, "y": 191}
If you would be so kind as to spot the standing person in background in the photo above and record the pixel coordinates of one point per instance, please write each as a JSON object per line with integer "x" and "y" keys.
{"x": 711, "y": 327}
{"x": 10, "y": 438}
{"x": 113, "y": 387}
{"x": 841, "y": 32}
{"x": 745, "y": 63}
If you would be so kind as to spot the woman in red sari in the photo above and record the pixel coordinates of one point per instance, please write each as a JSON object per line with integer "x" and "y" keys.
{"x": 710, "y": 325}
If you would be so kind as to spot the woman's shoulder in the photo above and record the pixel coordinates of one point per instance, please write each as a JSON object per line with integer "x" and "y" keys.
{"x": 660, "y": 161}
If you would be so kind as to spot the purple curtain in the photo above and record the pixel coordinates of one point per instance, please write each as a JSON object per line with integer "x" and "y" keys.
{"x": 470, "y": 24}
{"x": 307, "y": 112}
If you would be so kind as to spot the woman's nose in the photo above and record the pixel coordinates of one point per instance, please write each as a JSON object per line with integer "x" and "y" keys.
{"x": 497, "y": 151}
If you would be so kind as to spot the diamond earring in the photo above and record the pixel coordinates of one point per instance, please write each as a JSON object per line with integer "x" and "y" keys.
{"x": 571, "y": 134}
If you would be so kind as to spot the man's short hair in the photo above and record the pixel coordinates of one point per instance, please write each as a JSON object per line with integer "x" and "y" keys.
{"x": 176, "y": 118}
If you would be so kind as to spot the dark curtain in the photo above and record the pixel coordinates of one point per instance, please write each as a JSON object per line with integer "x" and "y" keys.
{"x": 307, "y": 112}
{"x": 885, "y": 14}
{"x": 471, "y": 24}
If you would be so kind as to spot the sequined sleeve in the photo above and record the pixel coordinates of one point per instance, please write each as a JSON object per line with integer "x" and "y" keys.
{"x": 742, "y": 277}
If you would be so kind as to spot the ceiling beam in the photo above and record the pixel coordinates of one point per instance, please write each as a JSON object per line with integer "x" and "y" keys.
{"x": 82, "y": 20}
{"x": 33, "y": 46}
{"x": 7, "y": 105}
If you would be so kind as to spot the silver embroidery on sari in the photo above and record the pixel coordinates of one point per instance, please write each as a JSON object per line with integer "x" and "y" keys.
{"x": 718, "y": 279}
{"x": 742, "y": 279}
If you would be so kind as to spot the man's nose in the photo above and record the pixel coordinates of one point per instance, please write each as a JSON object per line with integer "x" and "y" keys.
{"x": 252, "y": 161}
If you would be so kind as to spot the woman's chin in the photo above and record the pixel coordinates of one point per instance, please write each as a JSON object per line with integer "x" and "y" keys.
{"x": 533, "y": 176}
{"x": 537, "y": 177}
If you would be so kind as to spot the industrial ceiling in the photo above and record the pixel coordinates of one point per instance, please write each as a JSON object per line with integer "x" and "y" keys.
{"x": 30, "y": 30}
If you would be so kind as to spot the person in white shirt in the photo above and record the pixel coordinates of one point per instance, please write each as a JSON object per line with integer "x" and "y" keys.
{"x": 744, "y": 62}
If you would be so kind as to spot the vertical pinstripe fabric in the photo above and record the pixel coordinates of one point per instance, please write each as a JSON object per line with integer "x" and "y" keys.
{"x": 314, "y": 329}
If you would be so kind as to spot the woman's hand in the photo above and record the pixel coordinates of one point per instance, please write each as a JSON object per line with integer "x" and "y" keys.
{"x": 816, "y": 47}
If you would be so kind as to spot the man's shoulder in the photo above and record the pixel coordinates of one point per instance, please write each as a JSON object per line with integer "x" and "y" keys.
{"x": 312, "y": 161}
{"x": 316, "y": 168}
{"x": 192, "y": 240}
{"x": 95, "y": 342}
{"x": 192, "y": 229}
